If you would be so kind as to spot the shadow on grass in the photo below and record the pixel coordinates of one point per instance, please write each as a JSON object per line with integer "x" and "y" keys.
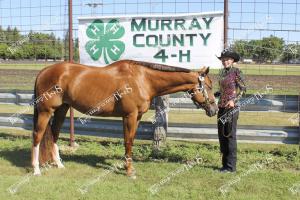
{"x": 17, "y": 157}
{"x": 21, "y": 157}
{"x": 100, "y": 162}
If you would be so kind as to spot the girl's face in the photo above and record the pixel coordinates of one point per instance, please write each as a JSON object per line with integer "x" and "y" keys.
{"x": 227, "y": 62}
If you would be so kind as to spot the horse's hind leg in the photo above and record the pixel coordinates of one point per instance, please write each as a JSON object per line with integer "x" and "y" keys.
{"x": 58, "y": 120}
{"x": 38, "y": 133}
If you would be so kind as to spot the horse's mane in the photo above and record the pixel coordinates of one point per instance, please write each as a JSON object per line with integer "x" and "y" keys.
{"x": 161, "y": 67}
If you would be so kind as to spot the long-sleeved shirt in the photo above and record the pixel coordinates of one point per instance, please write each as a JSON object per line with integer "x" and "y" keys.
{"x": 232, "y": 85}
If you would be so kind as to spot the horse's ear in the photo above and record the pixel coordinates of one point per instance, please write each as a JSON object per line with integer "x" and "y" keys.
{"x": 203, "y": 70}
{"x": 206, "y": 71}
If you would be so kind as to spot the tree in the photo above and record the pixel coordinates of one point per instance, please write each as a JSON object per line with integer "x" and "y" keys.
{"x": 290, "y": 52}
{"x": 2, "y": 35}
{"x": 46, "y": 46}
{"x": 32, "y": 46}
{"x": 76, "y": 50}
{"x": 16, "y": 34}
{"x": 265, "y": 50}
{"x": 271, "y": 48}
{"x": 3, "y": 50}
{"x": 244, "y": 48}
{"x": 12, "y": 35}
{"x": 256, "y": 49}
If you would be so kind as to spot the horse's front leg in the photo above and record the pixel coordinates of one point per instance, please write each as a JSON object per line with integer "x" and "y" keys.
{"x": 130, "y": 123}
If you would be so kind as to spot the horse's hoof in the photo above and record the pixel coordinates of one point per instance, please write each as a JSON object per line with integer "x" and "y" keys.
{"x": 132, "y": 177}
{"x": 37, "y": 173}
{"x": 60, "y": 166}
{"x": 132, "y": 174}
{"x": 59, "y": 163}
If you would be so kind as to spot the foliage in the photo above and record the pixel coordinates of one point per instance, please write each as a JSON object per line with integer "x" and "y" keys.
{"x": 34, "y": 45}
{"x": 267, "y": 50}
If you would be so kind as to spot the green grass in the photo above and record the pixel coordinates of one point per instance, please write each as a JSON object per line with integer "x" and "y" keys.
{"x": 95, "y": 155}
{"x": 189, "y": 116}
{"x": 16, "y": 66}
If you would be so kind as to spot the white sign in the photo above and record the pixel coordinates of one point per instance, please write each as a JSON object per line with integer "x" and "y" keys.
{"x": 190, "y": 41}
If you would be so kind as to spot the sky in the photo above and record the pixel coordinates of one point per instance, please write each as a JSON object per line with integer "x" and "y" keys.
{"x": 248, "y": 19}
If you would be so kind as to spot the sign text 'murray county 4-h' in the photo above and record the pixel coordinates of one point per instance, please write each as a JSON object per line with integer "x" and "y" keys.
{"x": 189, "y": 41}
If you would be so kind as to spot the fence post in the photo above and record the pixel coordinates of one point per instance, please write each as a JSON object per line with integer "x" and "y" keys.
{"x": 225, "y": 23}
{"x": 160, "y": 123}
{"x": 299, "y": 118}
{"x": 72, "y": 136}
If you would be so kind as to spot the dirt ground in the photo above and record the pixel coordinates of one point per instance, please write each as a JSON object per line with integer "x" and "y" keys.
{"x": 17, "y": 79}
{"x": 290, "y": 84}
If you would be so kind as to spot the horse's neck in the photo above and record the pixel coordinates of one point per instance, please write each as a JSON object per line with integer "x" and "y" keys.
{"x": 170, "y": 82}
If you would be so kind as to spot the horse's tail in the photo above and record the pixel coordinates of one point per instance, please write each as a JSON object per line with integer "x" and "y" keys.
{"x": 35, "y": 111}
{"x": 46, "y": 145}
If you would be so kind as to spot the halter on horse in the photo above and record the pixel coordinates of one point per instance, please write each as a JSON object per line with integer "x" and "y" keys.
{"x": 83, "y": 87}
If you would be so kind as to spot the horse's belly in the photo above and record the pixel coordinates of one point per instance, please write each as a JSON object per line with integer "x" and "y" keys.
{"x": 96, "y": 110}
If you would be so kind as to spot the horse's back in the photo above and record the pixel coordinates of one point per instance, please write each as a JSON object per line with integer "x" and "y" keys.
{"x": 67, "y": 68}
{"x": 61, "y": 72}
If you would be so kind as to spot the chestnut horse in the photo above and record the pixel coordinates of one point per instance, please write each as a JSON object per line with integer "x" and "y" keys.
{"x": 122, "y": 89}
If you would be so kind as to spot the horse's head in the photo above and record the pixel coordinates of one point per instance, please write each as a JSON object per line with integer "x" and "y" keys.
{"x": 202, "y": 94}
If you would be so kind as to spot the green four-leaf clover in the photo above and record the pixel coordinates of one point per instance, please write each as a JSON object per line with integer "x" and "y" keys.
{"x": 104, "y": 40}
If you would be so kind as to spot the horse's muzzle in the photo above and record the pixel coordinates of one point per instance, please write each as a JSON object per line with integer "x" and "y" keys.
{"x": 212, "y": 111}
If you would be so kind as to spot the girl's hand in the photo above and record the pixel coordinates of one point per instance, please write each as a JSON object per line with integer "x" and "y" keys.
{"x": 230, "y": 104}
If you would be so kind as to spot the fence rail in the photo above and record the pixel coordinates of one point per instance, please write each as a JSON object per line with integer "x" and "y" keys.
{"x": 176, "y": 131}
{"x": 286, "y": 103}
